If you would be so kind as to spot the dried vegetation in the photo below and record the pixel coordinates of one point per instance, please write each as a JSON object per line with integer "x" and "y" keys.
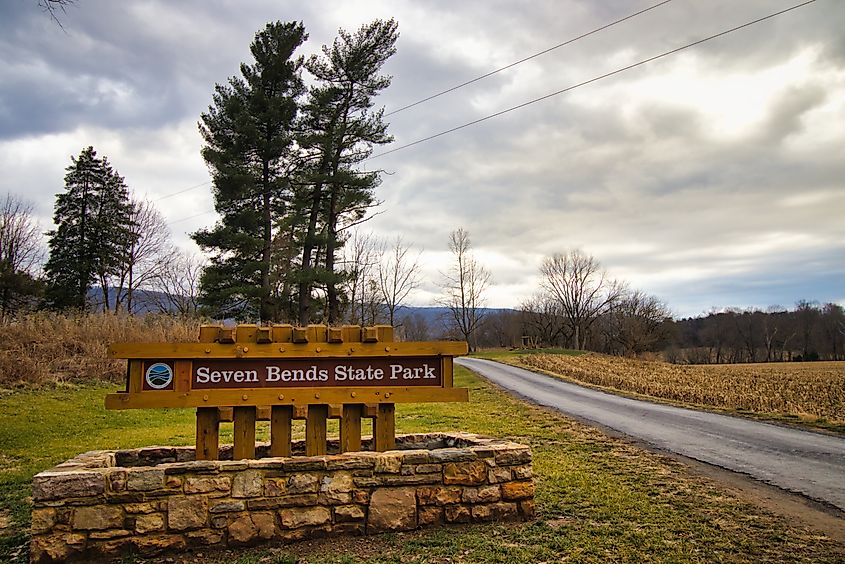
{"x": 45, "y": 348}
{"x": 810, "y": 390}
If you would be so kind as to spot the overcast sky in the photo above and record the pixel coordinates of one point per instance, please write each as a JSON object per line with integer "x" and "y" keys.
{"x": 714, "y": 177}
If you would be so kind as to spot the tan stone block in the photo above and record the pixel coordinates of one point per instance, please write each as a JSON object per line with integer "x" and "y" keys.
{"x": 147, "y": 507}
{"x": 517, "y": 490}
{"x": 465, "y": 473}
{"x": 437, "y": 495}
{"x": 428, "y": 468}
{"x": 361, "y": 496}
{"x": 389, "y": 463}
{"x": 293, "y": 518}
{"x": 242, "y": 529}
{"x": 457, "y": 514}
{"x": 97, "y": 518}
{"x": 266, "y": 524}
{"x": 495, "y": 512}
{"x": 340, "y": 482}
{"x": 107, "y": 535}
{"x": 248, "y": 483}
{"x": 208, "y": 484}
{"x": 303, "y": 483}
{"x": 513, "y": 456}
{"x": 55, "y": 548}
{"x": 483, "y": 494}
{"x": 392, "y": 509}
{"x": 43, "y": 520}
{"x": 187, "y": 512}
{"x": 497, "y": 475}
{"x": 430, "y": 515}
{"x": 149, "y": 523}
{"x": 117, "y": 481}
{"x": 274, "y": 487}
{"x": 227, "y": 506}
{"x": 155, "y": 544}
{"x": 204, "y": 537}
{"x": 522, "y": 472}
{"x": 334, "y": 499}
{"x": 172, "y": 482}
{"x": 344, "y": 513}
{"x": 61, "y": 485}
{"x": 144, "y": 479}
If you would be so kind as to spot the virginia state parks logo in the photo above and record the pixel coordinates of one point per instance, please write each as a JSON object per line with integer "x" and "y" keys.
{"x": 159, "y": 376}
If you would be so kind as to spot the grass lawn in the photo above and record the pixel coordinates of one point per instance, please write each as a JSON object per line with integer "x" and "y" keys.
{"x": 598, "y": 499}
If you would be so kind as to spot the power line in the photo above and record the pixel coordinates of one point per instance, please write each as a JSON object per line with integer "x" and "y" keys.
{"x": 506, "y": 67}
{"x": 573, "y": 87}
{"x": 201, "y": 184}
{"x": 190, "y": 217}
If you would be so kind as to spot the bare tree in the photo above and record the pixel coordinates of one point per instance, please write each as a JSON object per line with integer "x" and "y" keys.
{"x": 582, "y": 288}
{"x": 176, "y": 285}
{"x": 543, "y": 320}
{"x": 636, "y": 323}
{"x": 53, "y": 7}
{"x": 360, "y": 262}
{"x": 398, "y": 276}
{"x": 463, "y": 287}
{"x": 21, "y": 253}
{"x": 149, "y": 254}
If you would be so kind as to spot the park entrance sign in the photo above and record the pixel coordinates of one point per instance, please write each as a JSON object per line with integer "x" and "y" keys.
{"x": 280, "y": 373}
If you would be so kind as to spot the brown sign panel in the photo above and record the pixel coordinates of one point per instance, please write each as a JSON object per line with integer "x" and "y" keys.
{"x": 305, "y": 373}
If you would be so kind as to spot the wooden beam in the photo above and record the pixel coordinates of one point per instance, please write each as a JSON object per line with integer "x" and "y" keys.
{"x": 293, "y": 396}
{"x": 280, "y": 430}
{"x": 244, "y": 432}
{"x": 299, "y": 349}
{"x": 315, "y": 430}
{"x": 350, "y": 427}
{"x": 208, "y": 436}
{"x": 182, "y": 375}
{"x": 384, "y": 427}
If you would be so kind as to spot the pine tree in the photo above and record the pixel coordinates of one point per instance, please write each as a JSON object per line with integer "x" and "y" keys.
{"x": 93, "y": 231}
{"x": 248, "y": 148}
{"x": 340, "y": 130}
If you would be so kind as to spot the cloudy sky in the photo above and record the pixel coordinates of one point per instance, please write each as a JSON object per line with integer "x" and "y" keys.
{"x": 713, "y": 177}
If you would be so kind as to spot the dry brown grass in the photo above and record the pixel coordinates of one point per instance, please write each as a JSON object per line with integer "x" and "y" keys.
{"x": 44, "y": 348}
{"x": 812, "y": 389}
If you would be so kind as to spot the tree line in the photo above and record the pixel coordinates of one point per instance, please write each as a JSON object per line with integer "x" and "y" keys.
{"x": 810, "y": 331}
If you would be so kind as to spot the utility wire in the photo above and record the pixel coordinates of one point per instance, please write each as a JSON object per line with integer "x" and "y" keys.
{"x": 183, "y": 191}
{"x": 574, "y": 86}
{"x": 506, "y": 67}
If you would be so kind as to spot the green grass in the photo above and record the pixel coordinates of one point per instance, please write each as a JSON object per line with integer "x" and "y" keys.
{"x": 599, "y": 499}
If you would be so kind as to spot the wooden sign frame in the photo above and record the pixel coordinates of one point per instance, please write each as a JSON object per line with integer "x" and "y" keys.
{"x": 280, "y": 402}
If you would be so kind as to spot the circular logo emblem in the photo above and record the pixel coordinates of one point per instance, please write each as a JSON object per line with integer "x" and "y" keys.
{"x": 159, "y": 376}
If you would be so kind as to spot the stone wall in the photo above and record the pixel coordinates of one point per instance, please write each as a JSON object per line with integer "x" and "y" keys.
{"x": 158, "y": 499}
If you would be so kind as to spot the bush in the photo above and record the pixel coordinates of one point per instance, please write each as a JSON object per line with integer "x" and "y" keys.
{"x": 48, "y": 348}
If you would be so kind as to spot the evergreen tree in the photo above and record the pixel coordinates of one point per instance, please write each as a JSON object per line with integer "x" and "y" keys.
{"x": 248, "y": 148}
{"x": 93, "y": 231}
{"x": 339, "y": 132}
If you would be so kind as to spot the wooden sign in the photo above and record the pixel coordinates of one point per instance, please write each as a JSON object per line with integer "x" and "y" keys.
{"x": 276, "y": 372}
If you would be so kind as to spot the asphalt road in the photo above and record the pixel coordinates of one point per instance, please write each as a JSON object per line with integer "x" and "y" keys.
{"x": 807, "y": 463}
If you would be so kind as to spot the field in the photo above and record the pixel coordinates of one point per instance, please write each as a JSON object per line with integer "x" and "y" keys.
{"x": 812, "y": 392}
{"x": 599, "y": 499}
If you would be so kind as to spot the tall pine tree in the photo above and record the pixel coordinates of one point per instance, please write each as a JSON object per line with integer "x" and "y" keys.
{"x": 93, "y": 231}
{"x": 340, "y": 130}
{"x": 248, "y": 148}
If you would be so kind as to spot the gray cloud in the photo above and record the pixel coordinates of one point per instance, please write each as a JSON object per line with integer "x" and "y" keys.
{"x": 712, "y": 177}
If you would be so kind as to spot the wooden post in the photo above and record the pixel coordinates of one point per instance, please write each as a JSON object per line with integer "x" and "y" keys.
{"x": 350, "y": 427}
{"x": 384, "y": 432}
{"x": 280, "y": 418}
{"x": 207, "y": 433}
{"x": 244, "y": 417}
{"x": 315, "y": 430}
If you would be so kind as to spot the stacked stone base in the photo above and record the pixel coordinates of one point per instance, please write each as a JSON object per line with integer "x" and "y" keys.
{"x": 154, "y": 500}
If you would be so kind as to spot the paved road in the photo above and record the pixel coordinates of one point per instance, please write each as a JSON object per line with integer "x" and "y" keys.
{"x": 798, "y": 461}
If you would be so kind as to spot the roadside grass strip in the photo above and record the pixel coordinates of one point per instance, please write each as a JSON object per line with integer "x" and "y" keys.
{"x": 599, "y": 499}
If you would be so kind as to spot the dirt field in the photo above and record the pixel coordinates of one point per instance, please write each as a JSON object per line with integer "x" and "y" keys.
{"x": 814, "y": 390}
